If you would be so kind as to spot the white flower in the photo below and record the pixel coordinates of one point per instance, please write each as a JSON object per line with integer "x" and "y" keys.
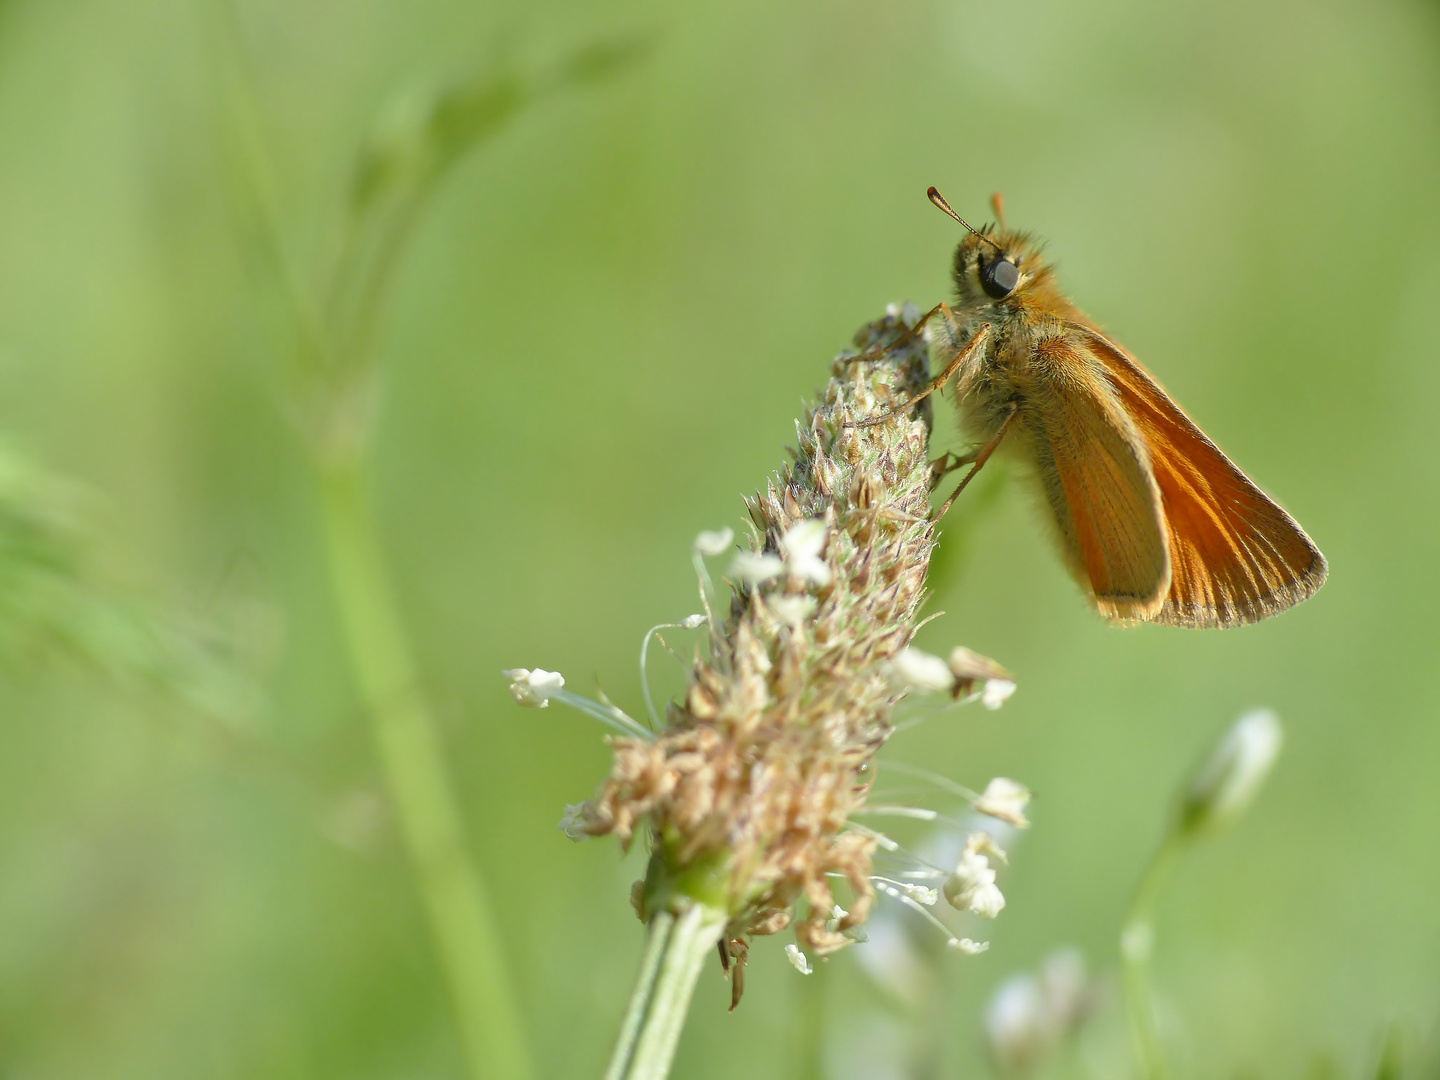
{"x": 1228, "y": 783}
{"x": 966, "y": 946}
{"x": 755, "y": 567}
{"x": 996, "y": 693}
{"x": 1004, "y": 799}
{"x": 714, "y": 543}
{"x": 972, "y": 885}
{"x": 802, "y": 544}
{"x": 534, "y": 689}
{"x": 1066, "y": 986}
{"x": 1017, "y": 1024}
{"x": 1029, "y": 1017}
{"x": 797, "y": 959}
{"x": 920, "y": 670}
{"x": 572, "y": 824}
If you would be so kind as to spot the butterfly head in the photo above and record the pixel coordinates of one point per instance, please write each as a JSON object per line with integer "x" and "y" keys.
{"x": 995, "y": 268}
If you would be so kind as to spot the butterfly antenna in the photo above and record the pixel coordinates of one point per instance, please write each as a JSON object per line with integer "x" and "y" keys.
{"x": 997, "y": 203}
{"x": 939, "y": 200}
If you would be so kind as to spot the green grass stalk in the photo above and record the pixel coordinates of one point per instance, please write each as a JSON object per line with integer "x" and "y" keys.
{"x": 409, "y": 747}
{"x": 1137, "y": 945}
{"x": 676, "y": 949}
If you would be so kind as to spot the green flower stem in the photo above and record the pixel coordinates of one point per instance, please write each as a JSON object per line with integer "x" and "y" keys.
{"x": 809, "y": 1029}
{"x": 412, "y": 757}
{"x": 677, "y": 948}
{"x": 1137, "y": 943}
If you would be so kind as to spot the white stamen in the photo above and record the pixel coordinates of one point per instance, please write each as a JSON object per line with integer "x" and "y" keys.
{"x": 968, "y": 947}
{"x": 971, "y": 887}
{"x": 913, "y": 905}
{"x": 1005, "y": 799}
{"x": 572, "y": 824}
{"x": 797, "y": 959}
{"x": 714, "y": 543}
{"x": 918, "y": 893}
{"x": 802, "y": 544}
{"x": 534, "y": 689}
{"x": 920, "y": 670}
{"x": 755, "y": 567}
{"x": 792, "y": 610}
{"x": 996, "y": 693}
{"x": 919, "y": 813}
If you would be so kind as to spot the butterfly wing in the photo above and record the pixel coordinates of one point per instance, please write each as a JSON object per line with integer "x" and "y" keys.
{"x": 1235, "y": 556}
{"x": 1096, "y": 476}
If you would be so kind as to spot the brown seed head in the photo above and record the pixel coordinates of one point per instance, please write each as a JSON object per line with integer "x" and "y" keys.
{"x": 748, "y": 791}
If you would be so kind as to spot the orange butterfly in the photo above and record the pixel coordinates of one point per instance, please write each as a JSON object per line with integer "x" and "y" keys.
{"x": 1155, "y": 522}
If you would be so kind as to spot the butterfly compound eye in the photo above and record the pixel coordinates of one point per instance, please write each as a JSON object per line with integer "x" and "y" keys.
{"x": 999, "y": 278}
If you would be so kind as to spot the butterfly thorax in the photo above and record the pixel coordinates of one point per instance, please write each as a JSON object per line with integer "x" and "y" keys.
{"x": 1003, "y": 375}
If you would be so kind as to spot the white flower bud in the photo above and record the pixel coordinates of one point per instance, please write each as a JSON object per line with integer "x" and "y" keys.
{"x": 1228, "y": 782}
{"x": 533, "y": 689}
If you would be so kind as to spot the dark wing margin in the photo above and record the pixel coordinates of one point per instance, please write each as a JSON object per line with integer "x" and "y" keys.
{"x": 1236, "y": 556}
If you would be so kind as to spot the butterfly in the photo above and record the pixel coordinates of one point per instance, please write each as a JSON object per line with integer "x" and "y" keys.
{"x": 1154, "y": 521}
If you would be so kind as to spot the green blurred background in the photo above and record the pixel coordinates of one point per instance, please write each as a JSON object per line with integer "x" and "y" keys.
{"x": 599, "y": 338}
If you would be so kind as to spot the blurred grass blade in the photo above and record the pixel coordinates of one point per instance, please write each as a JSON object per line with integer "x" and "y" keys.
{"x": 54, "y": 612}
{"x": 395, "y": 174}
{"x": 411, "y": 150}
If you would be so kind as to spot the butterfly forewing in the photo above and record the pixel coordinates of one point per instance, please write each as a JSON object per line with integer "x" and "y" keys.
{"x": 1236, "y": 557}
{"x": 1097, "y": 479}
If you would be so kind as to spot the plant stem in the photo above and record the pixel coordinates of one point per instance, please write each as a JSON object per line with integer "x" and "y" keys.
{"x": 413, "y": 760}
{"x": 1137, "y": 944}
{"x": 675, "y": 950}
{"x": 810, "y": 1029}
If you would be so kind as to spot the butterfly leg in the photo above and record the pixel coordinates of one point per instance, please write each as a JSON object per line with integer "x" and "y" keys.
{"x": 980, "y": 458}
{"x": 937, "y": 383}
{"x": 943, "y": 466}
{"x": 905, "y": 338}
